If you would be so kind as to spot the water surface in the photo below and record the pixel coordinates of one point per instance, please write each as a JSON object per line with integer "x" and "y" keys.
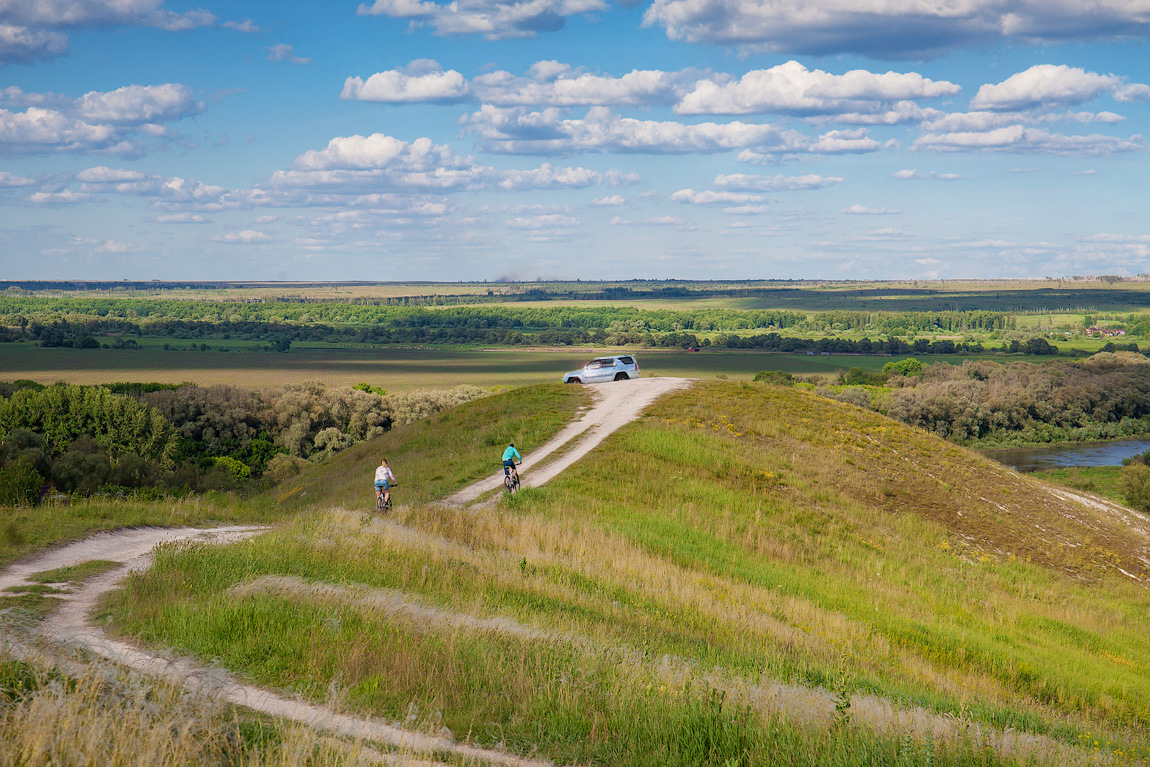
{"x": 1066, "y": 455}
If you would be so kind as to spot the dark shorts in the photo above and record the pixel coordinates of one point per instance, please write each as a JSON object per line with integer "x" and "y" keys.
{"x": 508, "y": 464}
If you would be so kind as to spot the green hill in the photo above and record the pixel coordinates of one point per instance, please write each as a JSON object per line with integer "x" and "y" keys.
{"x": 748, "y": 574}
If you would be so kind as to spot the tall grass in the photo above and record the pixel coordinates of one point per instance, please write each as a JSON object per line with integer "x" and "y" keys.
{"x": 748, "y": 540}
{"x": 435, "y": 456}
{"x": 109, "y": 718}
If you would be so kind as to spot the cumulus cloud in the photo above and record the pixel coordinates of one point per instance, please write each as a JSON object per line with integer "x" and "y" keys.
{"x": 912, "y": 174}
{"x": 909, "y": 29}
{"x": 518, "y": 130}
{"x": 21, "y": 45}
{"x": 791, "y": 88}
{"x": 181, "y": 218}
{"x": 1026, "y": 140}
{"x": 1048, "y": 85}
{"x": 111, "y": 122}
{"x": 285, "y": 52}
{"x": 609, "y": 201}
{"x": 691, "y": 197}
{"x": 11, "y": 180}
{"x": 493, "y": 19}
{"x": 421, "y": 81}
{"x": 245, "y": 237}
{"x": 362, "y": 164}
{"x": 543, "y": 221}
{"x": 653, "y": 221}
{"x": 775, "y": 183}
{"x": 31, "y": 30}
{"x": 863, "y": 210}
{"x": 552, "y": 83}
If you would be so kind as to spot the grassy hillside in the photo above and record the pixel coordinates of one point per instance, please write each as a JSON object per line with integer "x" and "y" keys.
{"x": 435, "y": 456}
{"x": 747, "y": 575}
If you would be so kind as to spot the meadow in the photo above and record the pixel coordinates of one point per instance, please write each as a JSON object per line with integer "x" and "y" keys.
{"x": 403, "y": 368}
{"x": 749, "y": 574}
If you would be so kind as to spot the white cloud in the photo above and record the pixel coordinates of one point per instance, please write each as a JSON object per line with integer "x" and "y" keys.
{"x": 421, "y": 81}
{"x": 908, "y": 174}
{"x": 520, "y": 131}
{"x": 10, "y": 180}
{"x": 775, "y": 183}
{"x": 112, "y": 246}
{"x": 181, "y": 218}
{"x": 65, "y": 197}
{"x": 285, "y": 52}
{"x": 1024, "y": 140}
{"x": 552, "y": 83}
{"x": 544, "y": 221}
{"x": 245, "y": 237}
{"x": 863, "y": 210}
{"x": 1048, "y": 85}
{"x": 102, "y": 174}
{"x": 98, "y": 122}
{"x": 21, "y": 45}
{"x": 246, "y": 26}
{"x": 609, "y": 201}
{"x": 30, "y": 30}
{"x": 791, "y": 88}
{"x": 654, "y": 221}
{"x": 690, "y": 196}
{"x": 138, "y": 104}
{"x": 906, "y": 29}
{"x": 493, "y": 19}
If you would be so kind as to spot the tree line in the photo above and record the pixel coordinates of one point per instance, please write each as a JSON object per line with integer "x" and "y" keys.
{"x": 988, "y": 404}
{"x": 61, "y": 321}
{"x": 178, "y": 439}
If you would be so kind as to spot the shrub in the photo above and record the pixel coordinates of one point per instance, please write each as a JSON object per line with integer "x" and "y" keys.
{"x": 19, "y": 484}
{"x": 1135, "y": 484}
{"x": 777, "y": 377}
{"x": 908, "y": 367}
{"x": 238, "y": 469}
{"x": 283, "y": 466}
{"x": 862, "y": 377}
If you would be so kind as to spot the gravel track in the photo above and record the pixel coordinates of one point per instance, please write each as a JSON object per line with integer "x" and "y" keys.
{"x": 617, "y": 403}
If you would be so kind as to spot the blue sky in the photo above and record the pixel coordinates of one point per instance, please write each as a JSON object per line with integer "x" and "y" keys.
{"x": 420, "y": 140}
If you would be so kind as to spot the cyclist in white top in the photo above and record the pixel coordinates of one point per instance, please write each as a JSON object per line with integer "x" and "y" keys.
{"x": 384, "y": 479}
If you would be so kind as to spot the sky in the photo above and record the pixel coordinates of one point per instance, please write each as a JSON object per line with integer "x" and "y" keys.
{"x": 394, "y": 140}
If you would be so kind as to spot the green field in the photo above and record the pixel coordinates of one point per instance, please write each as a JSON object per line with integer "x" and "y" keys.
{"x": 400, "y": 368}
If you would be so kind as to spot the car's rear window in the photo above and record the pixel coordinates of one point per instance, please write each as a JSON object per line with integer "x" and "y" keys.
{"x": 627, "y": 360}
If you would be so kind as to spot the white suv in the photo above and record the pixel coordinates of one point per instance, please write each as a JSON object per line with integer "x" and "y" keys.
{"x": 618, "y": 368}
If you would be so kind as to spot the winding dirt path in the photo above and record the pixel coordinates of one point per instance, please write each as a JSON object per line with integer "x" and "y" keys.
{"x": 617, "y": 403}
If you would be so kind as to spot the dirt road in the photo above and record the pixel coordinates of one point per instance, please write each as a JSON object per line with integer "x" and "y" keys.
{"x": 616, "y": 403}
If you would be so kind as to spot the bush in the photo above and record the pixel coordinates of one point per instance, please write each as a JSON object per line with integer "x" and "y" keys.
{"x": 238, "y": 469}
{"x": 19, "y": 484}
{"x": 1135, "y": 484}
{"x": 283, "y": 466}
{"x": 862, "y": 377}
{"x": 777, "y": 377}
{"x": 908, "y": 367}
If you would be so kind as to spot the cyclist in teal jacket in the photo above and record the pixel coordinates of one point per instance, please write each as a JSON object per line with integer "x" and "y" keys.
{"x": 510, "y": 456}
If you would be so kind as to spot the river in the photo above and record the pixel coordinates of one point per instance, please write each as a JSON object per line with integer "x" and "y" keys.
{"x": 1069, "y": 454}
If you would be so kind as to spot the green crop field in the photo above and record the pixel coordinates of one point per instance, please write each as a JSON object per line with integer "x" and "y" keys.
{"x": 396, "y": 368}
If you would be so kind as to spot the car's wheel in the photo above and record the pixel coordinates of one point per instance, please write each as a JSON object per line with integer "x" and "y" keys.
{"x": 621, "y": 377}
{"x": 573, "y": 380}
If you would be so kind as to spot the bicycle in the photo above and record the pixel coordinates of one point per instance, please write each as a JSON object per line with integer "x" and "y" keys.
{"x": 382, "y": 505}
{"x": 510, "y": 480}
